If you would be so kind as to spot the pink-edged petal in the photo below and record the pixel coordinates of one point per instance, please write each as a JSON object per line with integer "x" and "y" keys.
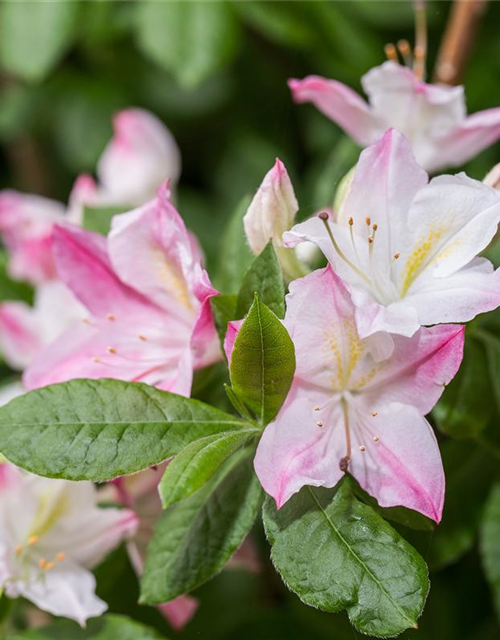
{"x": 295, "y": 450}
{"x": 142, "y": 154}
{"x": 396, "y": 459}
{"x": 457, "y": 298}
{"x": 10, "y": 477}
{"x": 471, "y": 136}
{"x": 83, "y": 264}
{"x": 205, "y": 343}
{"x": 452, "y": 219}
{"x": 67, "y": 591}
{"x": 151, "y": 251}
{"x": 419, "y": 368}
{"x": 179, "y": 612}
{"x": 20, "y": 339}
{"x": 341, "y": 104}
{"x": 233, "y": 328}
{"x": 272, "y": 210}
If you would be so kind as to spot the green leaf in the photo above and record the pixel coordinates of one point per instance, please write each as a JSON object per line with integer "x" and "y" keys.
{"x": 192, "y": 40}
{"x": 34, "y": 36}
{"x": 462, "y": 411}
{"x": 224, "y": 310}
{"x": 262, "y": 362}
{"x": 99, "y": 219}
{"x": 12, "y": 289}
{"x": 336, "y": 553}
{"x": 264, "y": 278}
{"x": 235, "y": 255}
{"x": 109, "y": 627}
{"x": 101, "y": 429}
{"x": 198, "y": 462}
{"x": 195, "y": 538}
{"x": 489, "y": 543}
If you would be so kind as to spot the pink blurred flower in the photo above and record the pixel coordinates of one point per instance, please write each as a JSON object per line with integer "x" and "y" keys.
{"x": 48, "y": 546}
{"x": 432, "y": 117}
{"x": 348, "y": 410}
{"x": 148, "y": 300}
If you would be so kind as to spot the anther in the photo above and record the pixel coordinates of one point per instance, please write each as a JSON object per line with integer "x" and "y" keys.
{"x": 316, "y": 408}
{"x": 86, "y": 321}
{"x": 33, "y": 540}
{"x": 370, "y": 239}
{"x": 96, "y": 360}
{"x": 42, "y": 563}
{"x": 323, "y": 216}
{"x": 396, "y": 256}
{"x": 111, "y": 350}
{"x": 405, "y": 50}
{"x": 141, "y": 337}
{"x": 351, "y": 222}
{"x": 362, "y": 448}
{"x": 390, "y": 52}
{"x": 60, "y": 556}
{"x": 18, "y": 549}
{"x": 50, "y": 565}
{"x": 110, "y": 317}
{"x": 319, "y": 423}
{"x": 375, "y": 227}
{"x": 368, "y": 221}
{"x": 376, "y": 438}
{"x": 374, "y": 414}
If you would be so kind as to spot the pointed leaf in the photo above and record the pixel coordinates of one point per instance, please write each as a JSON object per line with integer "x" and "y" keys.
{"x": 195, "y": 538}
{"x": 262, "y": 362}
{"x": 264, "y": 278}
{"x": 336, "y": 553}
{"x": 101, "y": 429}
{"x": 198, "y": 462}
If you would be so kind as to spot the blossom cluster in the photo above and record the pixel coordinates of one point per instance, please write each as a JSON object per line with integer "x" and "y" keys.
{"x": 377, "y": 333}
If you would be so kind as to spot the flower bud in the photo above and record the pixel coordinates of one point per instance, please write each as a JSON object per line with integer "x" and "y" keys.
{"x": 272, "y": 210}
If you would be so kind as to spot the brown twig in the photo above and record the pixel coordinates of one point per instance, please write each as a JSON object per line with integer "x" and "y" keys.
{"x": 458, "y": 40}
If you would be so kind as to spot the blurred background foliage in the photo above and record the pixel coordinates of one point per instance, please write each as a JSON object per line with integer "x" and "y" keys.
{"x": 216, "y": 73}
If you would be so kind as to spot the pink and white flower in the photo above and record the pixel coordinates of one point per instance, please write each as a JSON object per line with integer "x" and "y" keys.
{"x": 26, "y": 330}
{"x": 407, "y": 247}
{"x": 141, "y": 155}
{"x": 349, "y": 411}
{"x": 148, "y": 302}
{"x": 48, "y": 546}
{"x": 432, "y": 117}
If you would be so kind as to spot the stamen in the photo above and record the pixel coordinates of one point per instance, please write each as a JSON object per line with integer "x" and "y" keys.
{"x": 50, "y": 565}
{"x": 420, "y": 50}
{"x": 344, "y": 462}
{"x": 376, "y": 438}
{"x": 110, "y": 317}
{"x": 370, "y": 239}
{"x": 323, "y": 216}
{"x": 141, "y": 337}
{"x": 316, "y": 408}
{"x": 390, "y": 52}
{"x": 351, "y": 222}
{"x": 97, "y": 360}
{"x": 60, "y": 556}
{"x": 374, "y": 414}
{"x": 42, "y": 563}
{"x": 111, "y": 350}
{"x": 86, "y": 320}
{"x": 368, "y": 221}
{"x": 19, "y": 549}
{"x": 353, "y": 242}
{"x": 33, "y": 540}
{"x": 319, "y": 423}
{"x": 362, "y": 448}
{"x": 396, "y": 256}
{"x": 405, "y": 51}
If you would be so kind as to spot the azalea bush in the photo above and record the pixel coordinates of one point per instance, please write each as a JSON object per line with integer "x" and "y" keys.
{"x": 249, "y": 316}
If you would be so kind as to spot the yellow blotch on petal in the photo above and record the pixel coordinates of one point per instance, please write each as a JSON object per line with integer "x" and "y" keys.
{"x": 418, "y": 256}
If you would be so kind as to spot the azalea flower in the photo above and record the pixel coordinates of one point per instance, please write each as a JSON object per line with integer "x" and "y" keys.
{"x": 48, "y": 546}
{"x": 432, "y": 117}
{"x": 348, "y": 411}
{"x": 407, "y": 247}
{"x": 148, "y": 302}
{"x": 140, "y": 156}
{"x": 26, "y": 330}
